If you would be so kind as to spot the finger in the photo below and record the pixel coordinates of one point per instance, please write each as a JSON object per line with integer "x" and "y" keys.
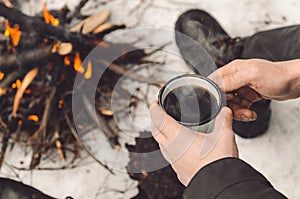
{"x": 243, "y": 103}
{"x": 157, "y": 121}
{"x": 232, "y": 76}
{"x": 223, "y": 122}
{"x": 249, "y": 94}
{"x": 163, "y": 122}
{"x": 245, "y": 115}
{"x": 184, "y": 141}
{"x": 224, "y": 119}
{"x": 236, "y": 99}
{"x": 242, "y": 100}
{"x": 159, "y": 137}
{"x": 234, "y": 107}
{"x": 226, "y": 142}
{"x": 241, "y": 113}
{"x": 230, "y": 96}
{"x": 173, "y": 138}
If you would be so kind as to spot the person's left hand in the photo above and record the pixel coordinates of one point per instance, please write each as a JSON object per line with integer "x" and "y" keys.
{"x": 188, "y": 151}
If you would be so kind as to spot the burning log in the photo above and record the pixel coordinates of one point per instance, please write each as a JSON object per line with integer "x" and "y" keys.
{"x": 37, "y": 110}
{"x": 81, "y": 42}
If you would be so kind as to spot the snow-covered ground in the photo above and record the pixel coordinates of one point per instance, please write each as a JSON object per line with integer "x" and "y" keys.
{"x": 275, "y": 154}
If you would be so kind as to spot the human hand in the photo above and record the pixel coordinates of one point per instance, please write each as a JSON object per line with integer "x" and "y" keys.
{"x": 188, "y": 151}
{"x": 248, "y": 81}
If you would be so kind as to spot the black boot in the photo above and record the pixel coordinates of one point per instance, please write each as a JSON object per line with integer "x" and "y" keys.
{"x": 11, "y": 189}
{"x": 204, "y": 29}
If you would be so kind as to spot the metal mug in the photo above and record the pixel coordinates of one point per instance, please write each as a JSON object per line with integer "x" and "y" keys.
{"x": 207, "y": 125}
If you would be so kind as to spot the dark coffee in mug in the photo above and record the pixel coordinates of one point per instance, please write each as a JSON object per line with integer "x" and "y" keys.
{"x": 190, "y": 104}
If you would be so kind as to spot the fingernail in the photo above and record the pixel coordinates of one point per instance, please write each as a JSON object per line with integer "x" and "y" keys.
{"x": 246, "y": 119}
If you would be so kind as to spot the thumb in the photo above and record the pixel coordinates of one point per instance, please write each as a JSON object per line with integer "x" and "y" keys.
{"x": 232, "y": 76}
{"x": 158, "y": 115}
{"x": 222, "y": 122}
{"x": 224, "y": 119}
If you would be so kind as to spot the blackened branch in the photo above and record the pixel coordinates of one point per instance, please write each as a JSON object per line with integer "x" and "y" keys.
{"x": 27, "y": 57}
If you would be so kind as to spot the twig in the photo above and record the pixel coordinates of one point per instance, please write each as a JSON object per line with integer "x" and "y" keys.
{"x": 108, "y": 132}
{"x": 12, "y": 169}
{"x": 4, "y": 141}
{"x": 11, "y": 77}
{"x": 158, "y": 49}
{"x": 76, "y": 12}
{"x": 73, "y": 131}
{"x": 2, "y": 123}
{"x": 109, "y": 30}
{"x": 58, "y": 143}
{"x": 39, "y": 136}
{"x": 122, "y": 71}
{"x": 4, "y": 145}
{"x": 16, "y": 135}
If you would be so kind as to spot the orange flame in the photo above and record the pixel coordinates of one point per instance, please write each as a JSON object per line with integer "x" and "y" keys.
{"x": 2, "y": 75}
{"x": 67, "y": 61}
{"x": 49, "y": 19}
{"x": 60, "y": 104}
{"x": 28, "y": 91}
{"x": 17, "y": 84}
{"x": 88, "y": 73}
{"x": 33, "y": 118}
{"x": 106, "y": 112}
{"x": 3, "y": 91}
{"x": 78, "y": 63}
{"x": 13, "y": 32}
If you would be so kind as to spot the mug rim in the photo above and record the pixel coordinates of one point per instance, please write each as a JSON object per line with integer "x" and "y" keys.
{"x": 220, "y": 93}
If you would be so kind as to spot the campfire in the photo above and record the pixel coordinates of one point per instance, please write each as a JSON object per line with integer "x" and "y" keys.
{"x": 40, "y": 58}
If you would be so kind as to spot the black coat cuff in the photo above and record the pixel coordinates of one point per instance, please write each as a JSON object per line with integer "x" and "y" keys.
{"x": 229, "y": 178}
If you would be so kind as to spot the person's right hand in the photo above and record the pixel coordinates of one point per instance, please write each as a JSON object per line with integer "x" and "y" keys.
{"x": 248, "y": 81}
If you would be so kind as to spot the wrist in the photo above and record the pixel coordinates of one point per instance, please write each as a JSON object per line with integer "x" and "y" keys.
{"x": 294, "y": 80}
{"x": 291, "y": 75}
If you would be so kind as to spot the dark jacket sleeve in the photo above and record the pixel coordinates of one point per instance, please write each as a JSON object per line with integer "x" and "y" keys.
{"x": 230, "y": 178}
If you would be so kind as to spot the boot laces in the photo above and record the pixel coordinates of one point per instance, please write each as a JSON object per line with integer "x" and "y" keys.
{"x": 227, "y": 42}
